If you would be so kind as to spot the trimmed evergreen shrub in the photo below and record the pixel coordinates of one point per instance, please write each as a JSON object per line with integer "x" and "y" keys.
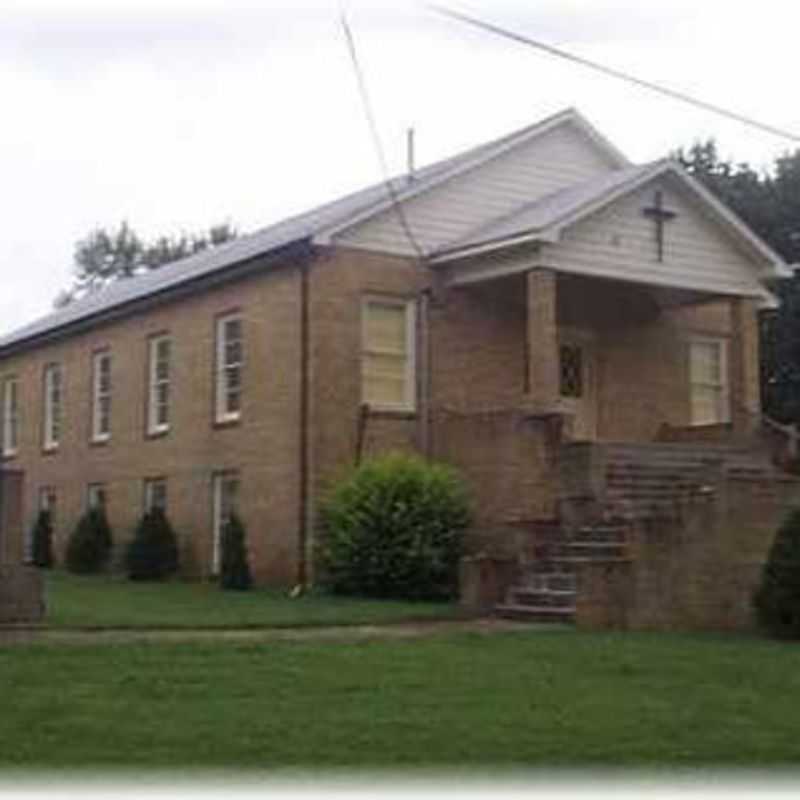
{"x": 234, "y": 568}
{"x": 777, "y": 600}
{"x": 42, "y": 541}
{"x": 89, "y": 546}
{"x": 152, "y": 554}
{"x": 393, "y": 529}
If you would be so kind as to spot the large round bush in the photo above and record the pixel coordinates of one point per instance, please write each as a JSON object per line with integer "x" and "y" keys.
{"x": 777, "y": 600}
{"x": 393, "y": 529}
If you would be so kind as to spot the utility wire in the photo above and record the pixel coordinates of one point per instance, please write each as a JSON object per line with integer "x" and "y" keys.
{"x": 376, "y": 139}
{"x": 614, "y": 73}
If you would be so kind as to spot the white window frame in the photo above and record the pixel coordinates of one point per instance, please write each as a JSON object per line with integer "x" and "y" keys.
{"x": 222, "y": 366}
{"x": 150, "y": 485}
{"x": 724, "y": 410}
{"x": 99, "y": 395}
{"x": 53, "y": 405}
{"x": 219, "y": 479}
{"x": 96, "y": 496}
{"x": 154, "y": 426}
{"x": 409, "y": 403}
{"x": 10, "y": 421}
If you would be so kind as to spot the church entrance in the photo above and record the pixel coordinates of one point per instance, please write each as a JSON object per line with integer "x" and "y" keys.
{"x": 578, "y": 382}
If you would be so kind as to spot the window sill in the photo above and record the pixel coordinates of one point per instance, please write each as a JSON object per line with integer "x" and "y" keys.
{"x": 391, "y": 413}
{"x": 99, "y": 442}
{"x": 49, "y": 449}
{"x": 157, "y": 434}
{"x": 229, "y": 422}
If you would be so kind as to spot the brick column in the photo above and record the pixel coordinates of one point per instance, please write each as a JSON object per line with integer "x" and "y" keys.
{"x": 744, "y": 365}
{"x": 542, "y": 341}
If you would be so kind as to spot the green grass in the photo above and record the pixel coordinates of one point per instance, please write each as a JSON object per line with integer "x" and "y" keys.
{"x": 106, "y": 602}
{"x": 511, "y": 700}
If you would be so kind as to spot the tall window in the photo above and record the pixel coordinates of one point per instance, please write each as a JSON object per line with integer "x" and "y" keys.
{"x": 101, "y": 397}
{"x": 225, "y": 495}
{"x": 160, "y": 357}
{"x": 230, "y": 358}
{"x": 97, "y": 497}
{"x": 708, "y": 374}
{"x": 10, "y": 420}
{"x": 53, "y": 393}
{"x": 155, "y": 494}
{"x": 388, "y": 354}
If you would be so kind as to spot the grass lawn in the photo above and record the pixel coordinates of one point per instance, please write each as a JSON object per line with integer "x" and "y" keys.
{"x": 108, "y": 602}
{"x": 557, "y": 698}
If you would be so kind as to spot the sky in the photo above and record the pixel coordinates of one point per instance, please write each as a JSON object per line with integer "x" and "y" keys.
{"x": 175, "y": 116}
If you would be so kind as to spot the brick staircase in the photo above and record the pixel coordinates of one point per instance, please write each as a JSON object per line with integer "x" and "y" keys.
{"x": 605, "y": 487}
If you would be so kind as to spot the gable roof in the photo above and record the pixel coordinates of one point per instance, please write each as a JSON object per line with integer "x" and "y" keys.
{"x": 321, "y": 225}
{"x": 544, "y": 219}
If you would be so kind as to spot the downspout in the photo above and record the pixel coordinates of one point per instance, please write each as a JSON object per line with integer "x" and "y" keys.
{"x": 305, "y": 540}
{"x": 425, "y": 374}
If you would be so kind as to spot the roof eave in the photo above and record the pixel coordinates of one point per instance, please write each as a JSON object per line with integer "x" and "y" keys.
{"x": 290, "y": 253}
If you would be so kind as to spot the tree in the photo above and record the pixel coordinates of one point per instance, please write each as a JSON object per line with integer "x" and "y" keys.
{"x": 105, "y": 255}
{"x": 42, "y": 541}
{"x": 153, "y": 552}
{"x": 234, "y": 570}
{"x": 777, "y": 600}
{"x": 769, "y": 202}
{"x": 89, "y": 546}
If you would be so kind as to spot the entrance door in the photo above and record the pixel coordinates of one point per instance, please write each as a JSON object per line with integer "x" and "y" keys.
{"x": 578, "y": 383}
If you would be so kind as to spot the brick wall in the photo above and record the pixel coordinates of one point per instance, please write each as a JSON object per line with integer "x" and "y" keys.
{"x": 695, "y": 571}
{"x": 263, "y": 446}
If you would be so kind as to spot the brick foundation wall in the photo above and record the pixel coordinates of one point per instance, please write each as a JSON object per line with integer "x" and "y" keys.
{"x": 696, "y": 570}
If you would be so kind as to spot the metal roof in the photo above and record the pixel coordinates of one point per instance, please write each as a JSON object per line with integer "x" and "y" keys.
{"x": 320, "y": 220}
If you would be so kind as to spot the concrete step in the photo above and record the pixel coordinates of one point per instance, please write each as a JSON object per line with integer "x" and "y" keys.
{"x": 548, "y": 582}
{"x": 524, "y": 596}
{"x": 587, "y": 549}
{"x": 535, "y": 613}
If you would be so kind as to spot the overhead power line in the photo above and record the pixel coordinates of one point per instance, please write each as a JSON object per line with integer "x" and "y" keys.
{"x": 614, "y": 73}
{"x": 376, "y": 139}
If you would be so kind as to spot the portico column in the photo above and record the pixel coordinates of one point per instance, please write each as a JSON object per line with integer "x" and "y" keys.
{"x": 542, "y": 341}
{"x": 744, "y": 366}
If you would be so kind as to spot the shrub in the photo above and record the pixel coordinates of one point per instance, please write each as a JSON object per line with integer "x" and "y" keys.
{"x": 89, "y": 546}
{"x": 393, "y": 529}
{"x": 42, "y": 541}
{"x": 152, "y": 554}
{"x": 777, "y": 600}
{"x": 234, "y": 568}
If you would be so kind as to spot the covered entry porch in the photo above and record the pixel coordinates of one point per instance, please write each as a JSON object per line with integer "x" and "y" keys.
{"x": 612, "y": 360}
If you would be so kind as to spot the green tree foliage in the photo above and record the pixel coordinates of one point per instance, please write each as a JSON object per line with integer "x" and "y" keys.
{"x": 152, "y": 554}
{"x": 89, "y": 546}
{"x": 769, "y": 202}
{"x": 393, "y": 529}
{"x": 234, "y": 567}
{"x": 42, "y": 541}
{"x": 106, "y": 255}
{"x": 777, "y": 600}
